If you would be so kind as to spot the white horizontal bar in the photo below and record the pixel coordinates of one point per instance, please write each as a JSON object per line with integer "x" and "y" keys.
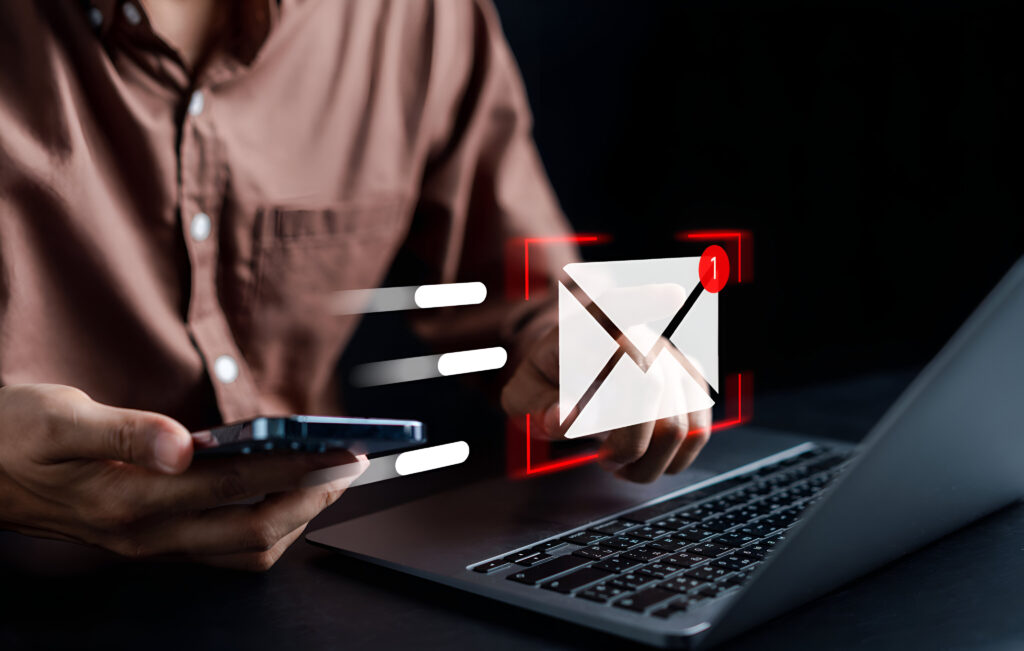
{"x": 394, "y": 465}
{"x": 365, "y": 301}
{"x": 439, "y": 456}
{"x": 393, "y": 371}
{"x": 470, "y": 361}
{"x": 450, "y": 294}
{"x": 410, "y": 369}
{"x": 391, "y": 299}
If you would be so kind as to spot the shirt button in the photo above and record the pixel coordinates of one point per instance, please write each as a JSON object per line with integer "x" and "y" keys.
{"x": 195, "y": 104}
{"x": 200, "y": 226}
{"x": 131, "y": 13}
{"x": 95, "y": 17}
{"x": 226, "y": 369}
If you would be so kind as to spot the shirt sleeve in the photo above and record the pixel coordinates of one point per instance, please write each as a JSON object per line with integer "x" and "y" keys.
{"x": 484, "y": 190}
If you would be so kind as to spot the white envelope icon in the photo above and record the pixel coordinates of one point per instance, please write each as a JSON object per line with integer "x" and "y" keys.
{"x": 615, "y": 369}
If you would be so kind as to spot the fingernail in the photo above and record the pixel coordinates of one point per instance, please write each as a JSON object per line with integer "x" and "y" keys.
{"x": 167, "y": 451}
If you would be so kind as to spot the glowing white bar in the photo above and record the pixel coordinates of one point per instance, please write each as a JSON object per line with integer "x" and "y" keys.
{"x": 410, "y": 369}
{"x": 391, "y": 299}
{"x": 450, "y": 294}
{"x": 365, "y": 301}
{"x": 393, "y": 371}
{"x": 471, "y": 361}
{"x": 394, "y": 465}
{"x": 439, "y": 456}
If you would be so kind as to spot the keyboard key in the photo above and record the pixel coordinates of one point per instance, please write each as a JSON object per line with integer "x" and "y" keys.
{"x": 733, "y": 539}
{"x": 752, "y": 554}
{"x": 709, "y": 591}
{"x": 491, "y": 566}
{"x": 683, "y": 559}
{"x": 717, "y": 524}
{"x": 718, "y": 506}
{"x": 648, "y": 532}
{"x": 733, "y": 499}
{"x": 708, "y": 549}
{"x": 695, "y": 534}
{"x": 780, "y": 499}
{"x": 547, "y": 570}
{"x": 548, "y": 545}
{"x": 518, "y": 556}
{"x": 682, "y": 584}
{"x": 595, "y": 552}
{"x": 761, "y": 507}
{"x": 659, "y": 570}
{"x": 758, "y": 547}
{"x": 644, "y": 599}
{"x": 738, "y": 578}
{"x": 707, "y": 573}
{"x": 698, "y": 513}
{"x": 576, "y": 580}
{"x": 747, "y": 513}
{"x": 584, "y": 538}
{"x": 645, "y": 554}
{"x": 623, "y": 542}
{"x": 613, "y": 527}
{"x": 631, "y": 581}
{"x": 530, "y": 561}
{"x": 759, "y": 529}
{"x": 672, "y": 523}
{"x": 602, "y": 592}
{"x": 671, "y": 543}
{"x": 617, "y": 564}
{"x": 734, "y": 562}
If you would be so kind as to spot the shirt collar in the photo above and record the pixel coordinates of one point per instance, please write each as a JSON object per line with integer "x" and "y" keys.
{"x": 245, "y": 39}
{"x": 100, "y": 14}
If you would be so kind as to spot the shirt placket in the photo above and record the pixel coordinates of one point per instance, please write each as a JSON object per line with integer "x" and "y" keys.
{"x": 202, "y": 184}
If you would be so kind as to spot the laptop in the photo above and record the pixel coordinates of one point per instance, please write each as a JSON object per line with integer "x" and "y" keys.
{"x": 768, "y": 522}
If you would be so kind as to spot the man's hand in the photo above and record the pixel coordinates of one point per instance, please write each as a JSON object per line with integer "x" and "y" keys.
{"x": 73, "y": 469}
{"x": 640, "y": 453}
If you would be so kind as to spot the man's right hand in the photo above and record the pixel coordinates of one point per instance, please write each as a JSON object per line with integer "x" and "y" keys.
{"x": 73, "y": 469}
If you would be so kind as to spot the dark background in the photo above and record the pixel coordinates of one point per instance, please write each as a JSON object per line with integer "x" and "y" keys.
{"x": 873, "y": 150}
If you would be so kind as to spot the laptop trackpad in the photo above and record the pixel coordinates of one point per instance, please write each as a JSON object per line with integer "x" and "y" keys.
{"x": 443, "y": 533}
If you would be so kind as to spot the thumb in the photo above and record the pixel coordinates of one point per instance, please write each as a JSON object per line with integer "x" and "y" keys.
{"x": 141, "y": 438}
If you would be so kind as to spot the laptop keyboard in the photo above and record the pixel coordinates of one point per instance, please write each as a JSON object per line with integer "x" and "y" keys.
{"x": 667, "y": 557}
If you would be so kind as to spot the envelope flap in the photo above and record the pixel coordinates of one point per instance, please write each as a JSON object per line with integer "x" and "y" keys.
{"x": 639, "y": 296}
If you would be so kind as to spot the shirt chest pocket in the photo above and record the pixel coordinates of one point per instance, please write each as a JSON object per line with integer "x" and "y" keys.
{"x": 302, "y": 256}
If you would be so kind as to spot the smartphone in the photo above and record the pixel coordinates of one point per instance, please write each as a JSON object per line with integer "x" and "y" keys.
{"x": 369, "y": 436}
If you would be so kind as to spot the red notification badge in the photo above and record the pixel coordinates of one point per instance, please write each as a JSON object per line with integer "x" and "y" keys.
{"x": 713, "y": 268}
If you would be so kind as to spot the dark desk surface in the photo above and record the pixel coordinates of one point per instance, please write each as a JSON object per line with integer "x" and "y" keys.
{"x": 961, "y": 592}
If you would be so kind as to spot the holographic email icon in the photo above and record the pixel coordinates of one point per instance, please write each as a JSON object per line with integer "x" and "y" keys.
{"x": 638, "y": 341}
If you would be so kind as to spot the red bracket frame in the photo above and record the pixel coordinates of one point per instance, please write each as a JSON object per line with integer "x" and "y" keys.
{"x": 742, "y": 382}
